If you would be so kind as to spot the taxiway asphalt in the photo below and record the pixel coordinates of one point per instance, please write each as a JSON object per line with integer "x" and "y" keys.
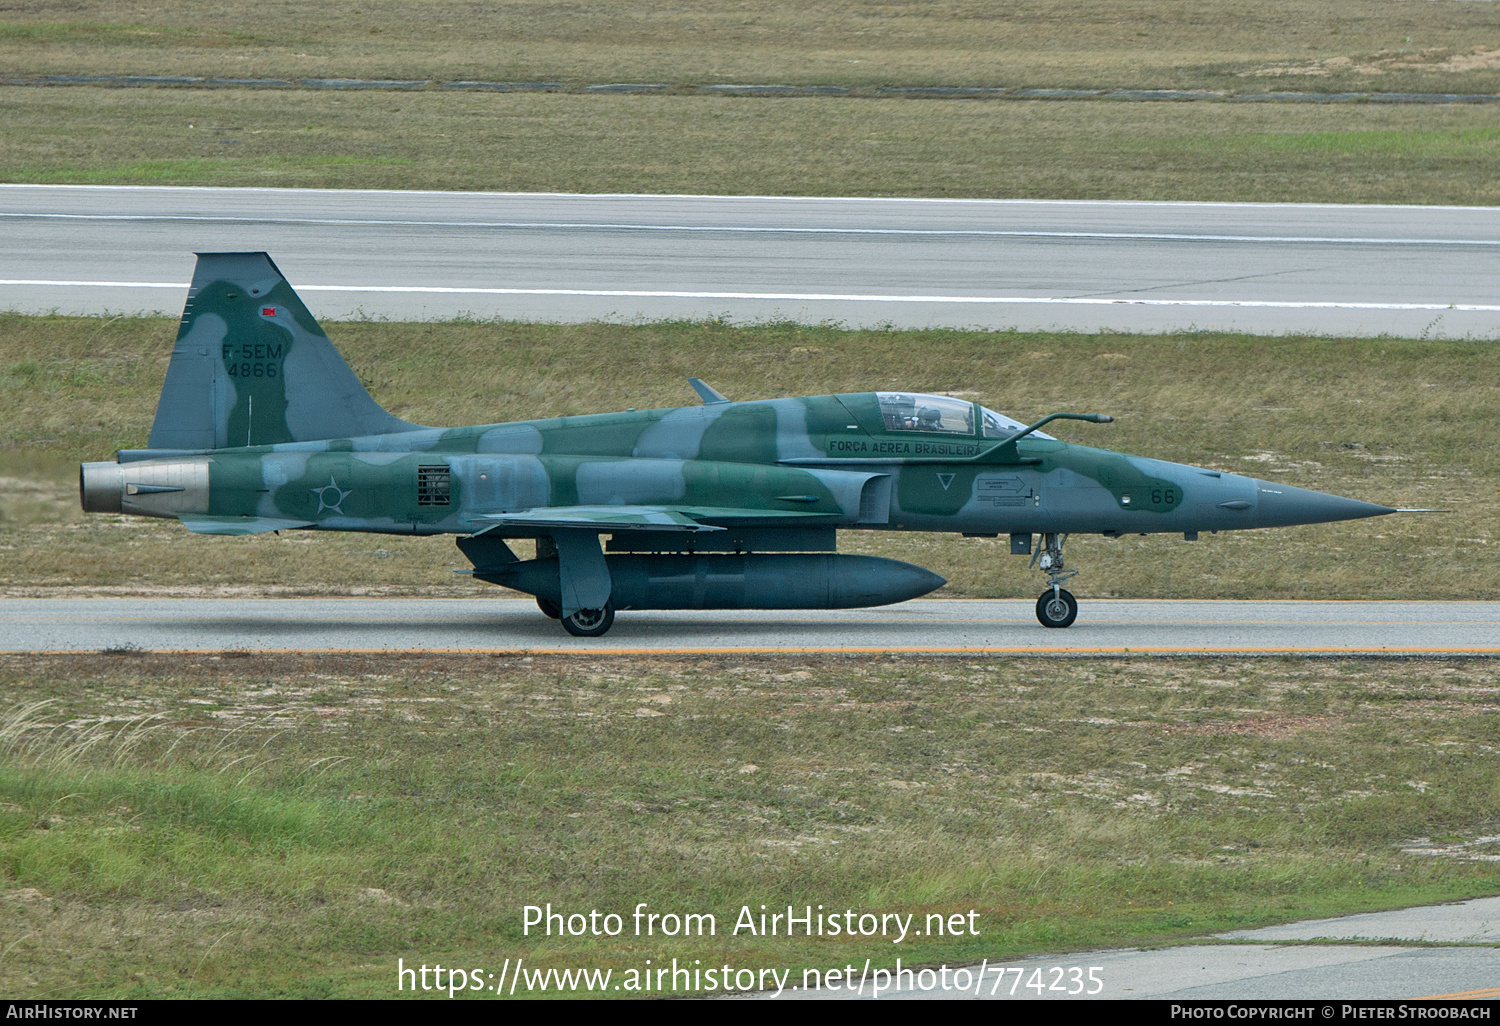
{"x": 1030, "y": 264}
{"x": 1444, "y": 951}
{"x": 923, "y": 626}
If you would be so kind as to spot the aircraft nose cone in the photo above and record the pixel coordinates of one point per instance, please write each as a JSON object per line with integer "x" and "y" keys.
{"x": 1279, "y": 505}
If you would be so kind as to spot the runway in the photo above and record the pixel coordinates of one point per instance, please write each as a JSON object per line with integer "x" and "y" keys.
{"x": 1029, "y": 264}
{"x": 1253, "y": 966}
{"x": 1105, "y": 628}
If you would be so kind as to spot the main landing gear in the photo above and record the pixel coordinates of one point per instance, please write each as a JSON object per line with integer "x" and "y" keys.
{"x": 586, "y": 623}
{"x": 589, "y": 623}
{"x": 1056, "y": 607}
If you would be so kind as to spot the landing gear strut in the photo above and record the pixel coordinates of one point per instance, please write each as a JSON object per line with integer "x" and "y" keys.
{"x": 1056, "y": 607}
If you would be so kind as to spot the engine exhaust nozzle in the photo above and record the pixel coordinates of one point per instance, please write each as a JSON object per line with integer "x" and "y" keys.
{"x": 101, "y": 487}
{"x": 148, "y": 488}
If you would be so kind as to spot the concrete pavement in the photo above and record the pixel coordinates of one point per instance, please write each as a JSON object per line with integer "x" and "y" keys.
{"x": 1251, "y": 968}
{"x": 1030, "y": 264}
{"x": 925, "y": 626}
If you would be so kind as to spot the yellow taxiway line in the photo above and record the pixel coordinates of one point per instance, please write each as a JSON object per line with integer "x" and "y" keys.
{"x": 1463, "y": 995}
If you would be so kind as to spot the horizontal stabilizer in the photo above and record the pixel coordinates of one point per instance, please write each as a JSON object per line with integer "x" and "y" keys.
{"x": 239, "y": 525}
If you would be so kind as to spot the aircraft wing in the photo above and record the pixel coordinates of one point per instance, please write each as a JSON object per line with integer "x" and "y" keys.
{"x": 238, "y": 525}
{"x": 604, "y": 518}
{"x": 639, "y": 518}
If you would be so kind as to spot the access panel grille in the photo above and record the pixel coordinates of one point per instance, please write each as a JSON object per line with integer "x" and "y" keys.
{"x": 432, "y": 486}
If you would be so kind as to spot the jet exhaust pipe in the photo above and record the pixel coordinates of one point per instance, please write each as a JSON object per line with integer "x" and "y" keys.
{"x": 152, "y": 488}
{"x": 748, "y": 581}
{"x": 101, "y": 487}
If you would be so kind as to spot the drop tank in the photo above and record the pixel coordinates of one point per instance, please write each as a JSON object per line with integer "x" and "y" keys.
{"x": 743, "y": 581}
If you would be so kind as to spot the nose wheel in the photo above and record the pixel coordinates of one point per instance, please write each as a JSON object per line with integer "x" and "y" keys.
{"x": 1056, "y": 607}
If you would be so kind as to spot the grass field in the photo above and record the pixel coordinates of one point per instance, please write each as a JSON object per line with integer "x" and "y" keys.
{"x": 718, "y": 144}
{"x": 1442, "y": 46}
{"x": 253, "y": 826}
{"x": 729, "y": 145}
{"x": 246, "y": 825}
{"x": 1402, "y": 422}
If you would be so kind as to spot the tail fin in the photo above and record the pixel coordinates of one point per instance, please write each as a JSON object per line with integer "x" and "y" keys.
{"x": 252, "y": 367}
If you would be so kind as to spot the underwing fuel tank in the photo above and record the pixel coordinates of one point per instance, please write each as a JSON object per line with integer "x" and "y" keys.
{"x": 746, "y": 581}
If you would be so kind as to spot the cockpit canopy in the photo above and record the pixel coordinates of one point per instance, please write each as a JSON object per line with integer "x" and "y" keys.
{"x": 913, "y": 411}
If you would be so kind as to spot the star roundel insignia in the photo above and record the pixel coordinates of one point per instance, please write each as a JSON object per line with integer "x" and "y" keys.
{"x": 324, "y": 500}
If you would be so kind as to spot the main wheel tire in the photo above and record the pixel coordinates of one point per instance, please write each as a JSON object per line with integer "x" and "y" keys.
{"x": 549, "y": 608}
{"x": 1059, "y": 610}
{"x": 590, "y": 623}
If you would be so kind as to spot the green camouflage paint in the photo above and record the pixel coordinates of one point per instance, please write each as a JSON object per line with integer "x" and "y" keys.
{"x": 262, "y": 426}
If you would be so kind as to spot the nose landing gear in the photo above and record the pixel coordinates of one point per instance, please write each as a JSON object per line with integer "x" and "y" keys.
{"x": 1056, "y": 607}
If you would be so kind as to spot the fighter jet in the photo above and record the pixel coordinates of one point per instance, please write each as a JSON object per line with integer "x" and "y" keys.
{"x": 262, "y": 426}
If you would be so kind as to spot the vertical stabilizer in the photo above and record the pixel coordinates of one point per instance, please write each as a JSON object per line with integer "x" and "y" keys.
{"x": 252, "y": 367}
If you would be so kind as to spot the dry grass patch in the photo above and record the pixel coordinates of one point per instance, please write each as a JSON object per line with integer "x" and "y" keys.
{"x": 248, "y": 825}
{"x": 1067, "y": 43}
{"x": 728, "y": 145}
{"x": 1271, "y": 725}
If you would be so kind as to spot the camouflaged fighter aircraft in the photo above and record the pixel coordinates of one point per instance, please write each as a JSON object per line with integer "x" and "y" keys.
{"x": 262, "y": 426}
